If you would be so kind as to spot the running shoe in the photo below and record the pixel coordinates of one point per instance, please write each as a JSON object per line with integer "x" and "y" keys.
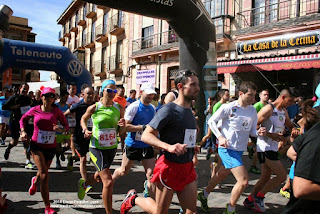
{"x": 128, "y": 201}
{"x": 226, "y": 211}
{"x": 70, "y": 163}
{"x": 58, "y": 165}
{"x": 181, "y": 211}
{"x": 145, "y": 191}
{"x": 88, "y": 189}
{"x": 7, "y": 153}
{"x": 249, "y": 204}
{"x": 285, "y": 193}
{"x": 81, "y": 189}
{"x": 209, "y": 151}
{"x": 33, "y": 186}
{"x": 204, "y": 201}
{"x": 29, "y": 165}
{"x": 2, "y": 142}
{"x": 259, "y": 204}
{"x": 254, "y": 170}
{"x": 49, "y": 210}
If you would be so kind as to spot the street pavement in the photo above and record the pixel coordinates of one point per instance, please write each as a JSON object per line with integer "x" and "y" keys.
{"x": 64, "y": 185}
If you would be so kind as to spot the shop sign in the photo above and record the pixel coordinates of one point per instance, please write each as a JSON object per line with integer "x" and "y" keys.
{"x": 146, "y": 76}
{"x": 303, "y": 39}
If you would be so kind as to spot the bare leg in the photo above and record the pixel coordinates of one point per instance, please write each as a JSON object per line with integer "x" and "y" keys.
{"x": 124, "y": 169}
{"x": 83, "y": 167}
{"x": 188, "y": 198}
{"x": 148, "y": 168}
{"x": 219, "y": 176}
{"x": 241, "y": 175}
{"x": 264, "y": 178}
{"x": 107, "y": 190}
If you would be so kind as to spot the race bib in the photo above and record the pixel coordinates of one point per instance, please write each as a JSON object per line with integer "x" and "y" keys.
{"x": 46, "y": 137}
{"x": 138, "y": 135}
{"x": 24, "y": 109}
{"x": 190, "y": 137}
{"x": 278, "y": 130}
{"x": 72, "y": 122}
{"x": 89, "y": 123}
{"x": 241, "y": 123}
{"x": 107, "y": 137}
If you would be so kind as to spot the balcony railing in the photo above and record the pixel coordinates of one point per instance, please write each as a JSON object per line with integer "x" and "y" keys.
{"x": 60, "y": 36}
{"x": 115, "y": 63}
{"x": 116, "y": 24}
{"x": 282, "y": 10}
{"x": 155, "y": 40}
{"x": 66, "y": 31}
{"x": 81, "y": 18}
{"x": 89, "y": 40}
{"x": 100, "y": 33}
{"x": 91, "y": 10}
{"x": 97, "y": 67}
{"x": 74, "y": 26}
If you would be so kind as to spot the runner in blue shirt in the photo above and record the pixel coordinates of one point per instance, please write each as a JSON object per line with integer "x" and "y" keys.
{"x": 4, "y": 115}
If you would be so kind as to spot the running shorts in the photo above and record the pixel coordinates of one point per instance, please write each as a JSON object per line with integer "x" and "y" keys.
{"x": 271, "y": 155}
{"x": 61, "y": 137}
{"x": 172, "y": 175}
{"x": 139, "y": 154}
{"x": 230, "y": 158}
{"x": 81, "y": 145}
{"x": 102, "y": 158}
{"x": 48, "y": 153}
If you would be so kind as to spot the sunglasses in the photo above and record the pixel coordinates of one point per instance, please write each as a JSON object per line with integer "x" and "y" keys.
{"x": 109, "y": 90}
{"x": 49, "y": 95}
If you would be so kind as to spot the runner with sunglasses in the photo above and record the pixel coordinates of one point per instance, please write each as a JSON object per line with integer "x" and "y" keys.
{"x": 43, "y": 143}
{"x": 108, "y": 122}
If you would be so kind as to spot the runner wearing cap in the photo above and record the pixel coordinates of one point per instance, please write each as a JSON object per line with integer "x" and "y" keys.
{"x": 137, "y": 116}
{"x": 108, "y": 121}
{"x": 174, "y": 170}
{"x": 43, "y": 142}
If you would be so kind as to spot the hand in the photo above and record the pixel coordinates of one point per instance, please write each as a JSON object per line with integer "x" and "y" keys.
{"x": 295, "y": 133}
{"x": 262, "y": 131}
{"x": 197, "y": 149}
{"x": 281, "y": 144}
{"x": 97, "y": 177}
{"x": 223, "y": 142}
{"x": 276, "y": 136}
{"x": 23, "y": 135}
{"x": 178, "y": 149}
{"x": 57, "y": 128}
{"x": 122, "y": 123}
{"x": 87, "y": 134}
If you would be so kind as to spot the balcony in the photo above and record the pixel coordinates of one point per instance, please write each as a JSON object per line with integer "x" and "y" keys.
{"x": 280, "y": 11}
{"x": 60, "y": 37}
{"x": 89, "y": 41}
{"x": 80, "y": 44}
{"x": 82, "y": 19}
{"x": 116, "y": 25}
{"x": 100, "y": 33}
{"x": 74, "y": 26}
{"x": 91, "y": 11}
{"x": 71, "y": 47}
{"x": 115, "y": 64}
{"x": 101, "y": 7}
{"x": 165, "y": 39}
{"x": 67, "y": 31}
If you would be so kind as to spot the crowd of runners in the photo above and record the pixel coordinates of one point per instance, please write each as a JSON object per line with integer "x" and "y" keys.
{"x": 161, "y": 132}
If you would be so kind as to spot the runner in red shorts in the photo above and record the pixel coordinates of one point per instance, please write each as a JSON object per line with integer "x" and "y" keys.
{"x": 174, "y": 171}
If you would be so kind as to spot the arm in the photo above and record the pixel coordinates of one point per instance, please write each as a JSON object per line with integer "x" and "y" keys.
{"x": 129, "y": 115}
{"x": 133, "y": 128}
{"x": 63, "y": 121}
{"x": 169, "y": 98}
{"x": 10, "y": 104}
{"x": 149, "y": 136}
{"x": 23, "y": 122}
{"x": 288, "y": 122}
{"x": 305, "y": 189}
{"x": 83, "y": 122}
{"x": 122, "y": 122}
{"x": 66, "y": 113}
{"x": 291, "y": 153}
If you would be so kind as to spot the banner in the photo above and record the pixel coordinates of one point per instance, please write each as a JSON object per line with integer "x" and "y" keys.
{"x": 145, "y": 76}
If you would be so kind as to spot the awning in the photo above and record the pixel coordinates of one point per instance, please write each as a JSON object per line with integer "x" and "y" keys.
{"x": 270, "y": 64}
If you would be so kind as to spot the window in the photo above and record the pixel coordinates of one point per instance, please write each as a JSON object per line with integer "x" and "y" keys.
{"x": 93, "y": 31}
{"x": 77, "y": 17}
{"x": 104, "y": 59}
{"x": 83, "y": 37}
{"x": 119, "y": 54}
{"x": 147, "y": 37}
{"x": 265, "y": 11}
{"x": 84, "y": 11}
{"x": 120, "y": 18}
{"x": 105, "y": 23}
{"x": 215, "y": 8}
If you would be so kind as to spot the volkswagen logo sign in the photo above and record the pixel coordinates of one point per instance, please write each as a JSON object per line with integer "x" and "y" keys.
{"x": 74, "y": 68}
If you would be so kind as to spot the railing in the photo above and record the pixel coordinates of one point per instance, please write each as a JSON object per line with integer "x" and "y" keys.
{"x": 100, "y": 30}
{"x": 154, "y": 40}
{"x": 115, "y": 62}
{"x": 97, "y": 67}
{"x": 89, "y": 38}
{"x": 116, "y": 22}
{"x": 73, "y": 22}
{"x": 60, "y": 35}
{"x": 91, "y": 8}
{"x": 282, "y": 10}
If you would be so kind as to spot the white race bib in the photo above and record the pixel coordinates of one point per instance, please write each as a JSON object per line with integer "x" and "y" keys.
{"x": 138, "y": 135}
{"x": 46, "y": 137}
{"x": 190, "y": 137}
{"x": 241, "y": 123}
{"x": 107, "y": 137}
{"x": 72, "y": 122}
{"x": 24, "y": 109}
{"x": 89, "y": 123}
{"x": 278, "y": 130}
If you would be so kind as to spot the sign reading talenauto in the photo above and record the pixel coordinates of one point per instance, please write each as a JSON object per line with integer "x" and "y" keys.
{"x": 303, "y": 39}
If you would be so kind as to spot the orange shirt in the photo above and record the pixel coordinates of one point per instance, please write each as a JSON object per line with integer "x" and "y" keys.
{"x": 121, "y": 100}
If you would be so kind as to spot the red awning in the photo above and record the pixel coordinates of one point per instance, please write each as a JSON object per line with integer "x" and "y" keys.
{"x": 271, "y": 64}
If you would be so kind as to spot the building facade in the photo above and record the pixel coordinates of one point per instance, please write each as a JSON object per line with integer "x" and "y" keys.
{"x": 19, "y": 30}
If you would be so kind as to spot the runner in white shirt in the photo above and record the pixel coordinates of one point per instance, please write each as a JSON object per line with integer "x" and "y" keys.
{"x": 239, "y": 120}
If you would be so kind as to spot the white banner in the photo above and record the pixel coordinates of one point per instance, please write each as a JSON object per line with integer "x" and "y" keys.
{"x": 146, "y": 76}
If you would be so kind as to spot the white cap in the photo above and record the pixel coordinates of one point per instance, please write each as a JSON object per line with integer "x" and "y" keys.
{"x": 148, "y": 88}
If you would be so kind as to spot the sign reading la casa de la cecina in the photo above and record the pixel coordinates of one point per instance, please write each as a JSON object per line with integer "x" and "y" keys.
{"x": 307, "y": 38}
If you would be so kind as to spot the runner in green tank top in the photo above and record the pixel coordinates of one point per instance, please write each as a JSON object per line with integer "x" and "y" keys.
{"x": 108, "y": 122}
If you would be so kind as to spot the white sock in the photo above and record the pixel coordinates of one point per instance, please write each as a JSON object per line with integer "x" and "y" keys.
{"x": 205, "y": 193}
{"x": 28, "y": 161}
{"x": 230, "y": 208}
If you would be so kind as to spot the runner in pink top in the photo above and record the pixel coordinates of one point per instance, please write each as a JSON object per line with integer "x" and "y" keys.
{"x": 43, "y": 142}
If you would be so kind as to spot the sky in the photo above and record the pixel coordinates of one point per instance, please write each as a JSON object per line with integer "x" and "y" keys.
{"x": 42, "y": 16}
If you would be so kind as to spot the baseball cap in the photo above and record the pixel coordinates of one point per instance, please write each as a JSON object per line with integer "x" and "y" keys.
{"x": 107, "y": 82}
{"x": 148, "y": 88}
{"x": 47, "y": 90}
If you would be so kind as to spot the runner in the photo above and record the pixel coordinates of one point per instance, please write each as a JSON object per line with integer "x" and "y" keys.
{"x": 239, "y": 120}
{"x": 4, "y": 115}
{"x": 274, "y": 117}
{"x": 72, "y": 99}
{"x": 119, "y": 98}
{"x": 137, "y": 116}
{"x": 19, "y": 104}
{"x": 62, "y": 137}
{"x": 132, "y": 97}
{"x": 108, "y": 121}
{"x": 264, "y": 96}
{"x": 174, "y": 171}
{"x": 43, "y": 143}
{"x": 81, "y": 145}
